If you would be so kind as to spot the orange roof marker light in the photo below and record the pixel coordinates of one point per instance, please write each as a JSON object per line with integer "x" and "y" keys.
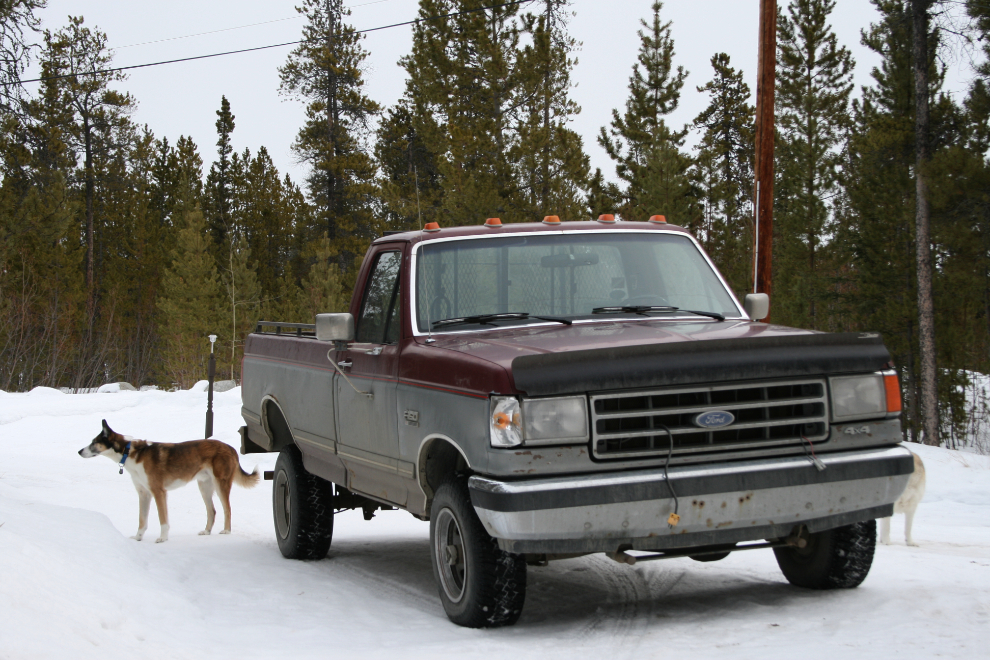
{"x": 551, "y": 220}
{"x": 432, "y": 227}
{"x": 658, "y": 219}
{"x": 607, "y": 218}
{"x": 493, "y": 222}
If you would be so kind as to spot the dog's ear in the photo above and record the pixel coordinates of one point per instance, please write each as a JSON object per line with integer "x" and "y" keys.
{"x": 106, "y": 429}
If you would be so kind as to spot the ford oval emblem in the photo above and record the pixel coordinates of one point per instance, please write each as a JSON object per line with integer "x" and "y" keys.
{"x": 714, "y": 419}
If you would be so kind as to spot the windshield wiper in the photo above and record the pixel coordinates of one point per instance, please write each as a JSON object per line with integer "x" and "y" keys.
{"x": 487, "y": 319}
{"x": 642, "y": 309}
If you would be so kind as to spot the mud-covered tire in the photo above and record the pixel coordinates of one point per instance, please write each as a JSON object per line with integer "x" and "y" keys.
{"x": 480, "y": 585}
{"x": 837, "y": 558}
{"x": 302, "y": 505}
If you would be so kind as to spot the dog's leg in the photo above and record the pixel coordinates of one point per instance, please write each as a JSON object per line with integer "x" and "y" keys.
{"x": 206, "y": 488}
{"x": 223, "y": 490}
{"x": 908, "y": 521}
{"x": 144, "y": 505}
{"x": 160, "y": 501}
{"x": 885, "y": 531}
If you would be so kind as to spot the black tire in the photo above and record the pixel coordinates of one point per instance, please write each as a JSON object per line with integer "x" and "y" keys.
{"x": 480, "y": 585}
{"x": 837, "y": 558}
{"x": 302, "y": 505}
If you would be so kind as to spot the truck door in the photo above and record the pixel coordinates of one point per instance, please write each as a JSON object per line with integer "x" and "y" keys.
{"x": 368, "y": 425}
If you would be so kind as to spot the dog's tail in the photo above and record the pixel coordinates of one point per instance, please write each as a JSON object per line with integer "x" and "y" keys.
{"x": 245, "y": 480}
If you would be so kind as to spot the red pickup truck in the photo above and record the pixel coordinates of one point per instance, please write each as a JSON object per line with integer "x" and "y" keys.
{"x": 548, "y": 390}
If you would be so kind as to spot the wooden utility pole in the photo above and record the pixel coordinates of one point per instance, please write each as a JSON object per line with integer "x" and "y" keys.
{"x": 763, "y": 190}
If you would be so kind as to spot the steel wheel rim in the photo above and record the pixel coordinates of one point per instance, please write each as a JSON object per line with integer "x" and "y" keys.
{"x": 283, "y": 507}
{"x": 448, "y": 549}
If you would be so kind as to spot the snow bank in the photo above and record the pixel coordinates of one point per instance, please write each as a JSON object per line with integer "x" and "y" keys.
{"x": 73, "y": 585}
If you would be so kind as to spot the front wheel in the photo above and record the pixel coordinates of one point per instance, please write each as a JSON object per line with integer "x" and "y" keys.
{"x": 302, "y": 504}
{"x": 837, "y": 558}
{"x": 480, "y": 585}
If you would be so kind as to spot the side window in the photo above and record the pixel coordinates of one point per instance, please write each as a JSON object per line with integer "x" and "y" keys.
{"x": 380, "y": 312}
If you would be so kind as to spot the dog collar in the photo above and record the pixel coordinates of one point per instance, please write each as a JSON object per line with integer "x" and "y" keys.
{"x": 127, "y": 450}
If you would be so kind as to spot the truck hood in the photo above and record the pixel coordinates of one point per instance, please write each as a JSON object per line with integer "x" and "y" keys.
{"x": 551, "y": 360}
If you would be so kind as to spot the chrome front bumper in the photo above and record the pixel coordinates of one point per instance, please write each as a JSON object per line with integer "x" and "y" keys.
{"x": 723, "y": 503}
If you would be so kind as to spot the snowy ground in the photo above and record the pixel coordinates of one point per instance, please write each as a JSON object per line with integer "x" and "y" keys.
{"x": 72, "y": 585}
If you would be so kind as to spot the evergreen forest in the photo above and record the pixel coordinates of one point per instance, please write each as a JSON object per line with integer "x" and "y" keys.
{"x": 120, "y": 250}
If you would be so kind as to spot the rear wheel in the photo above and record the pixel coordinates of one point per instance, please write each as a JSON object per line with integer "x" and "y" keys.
{"x": 837, "y": 558}
{"x": 302, "y": 504}
{"x": 480, "y": 585}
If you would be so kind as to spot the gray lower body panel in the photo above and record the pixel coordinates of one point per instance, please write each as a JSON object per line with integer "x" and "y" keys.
{"x": 725, "y": 503}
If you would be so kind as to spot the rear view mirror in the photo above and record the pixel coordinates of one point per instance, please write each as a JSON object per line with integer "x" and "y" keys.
{"x": 335, "y": 327}
{"x": 569, "y": 260}
{"x": 757, "y": 305}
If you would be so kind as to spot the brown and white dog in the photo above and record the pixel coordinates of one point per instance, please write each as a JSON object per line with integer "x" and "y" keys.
{"x": 157, "y": 467}
{"x": 907, "y": 503}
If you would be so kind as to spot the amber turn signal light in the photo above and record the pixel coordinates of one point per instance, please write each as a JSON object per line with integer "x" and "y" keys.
{"x": 893, "y": 389}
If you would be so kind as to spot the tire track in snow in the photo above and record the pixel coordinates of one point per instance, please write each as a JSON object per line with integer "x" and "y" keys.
{"x": 629, "y": 609}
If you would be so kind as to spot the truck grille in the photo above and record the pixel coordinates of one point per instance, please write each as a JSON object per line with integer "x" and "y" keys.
{"x": 630, "y": 424}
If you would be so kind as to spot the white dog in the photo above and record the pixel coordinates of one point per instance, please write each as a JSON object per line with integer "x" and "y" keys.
{"x": 907, "y": 503}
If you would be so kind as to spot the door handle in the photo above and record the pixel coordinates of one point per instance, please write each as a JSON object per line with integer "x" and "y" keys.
{"x": 345, "y": 364}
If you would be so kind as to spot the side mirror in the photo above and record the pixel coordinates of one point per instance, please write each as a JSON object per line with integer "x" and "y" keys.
{"x": 335, "y": 327}
{"x": 757, "y": 305}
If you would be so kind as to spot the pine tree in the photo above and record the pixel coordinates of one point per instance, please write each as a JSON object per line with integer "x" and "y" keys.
{"x": 724, "y": 173}
{"x": 241, "y": 301}
{"x": 814, "y": 83}
{"x": 190, "y": 304}
{"x": 97, "y": 113}
{"x": 553, "y": 167}
{"x": 219, "y": 193}
{"x": 17, "y": 20}
{"x": 267, "y": 211}
{"x": 877, "y": 230}
{"x": 603, "y": 197}
{"x": 322, "y": 291}
{"x": 646, "y": 151}
{"x": 464, "y": 93}
{"x": 410, "y": 183}
{"x": 324, "y": 71}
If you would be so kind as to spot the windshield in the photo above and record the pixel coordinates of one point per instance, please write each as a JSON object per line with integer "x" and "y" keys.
{"x": 567, "y": 275}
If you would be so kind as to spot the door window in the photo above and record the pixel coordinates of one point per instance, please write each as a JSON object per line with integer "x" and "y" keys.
{"x": 378, "y": 322}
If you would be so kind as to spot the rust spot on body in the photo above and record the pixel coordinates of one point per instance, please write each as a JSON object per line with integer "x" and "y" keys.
{"x": 723, "y": 524}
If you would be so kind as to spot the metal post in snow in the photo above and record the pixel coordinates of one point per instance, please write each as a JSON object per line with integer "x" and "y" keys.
{"x": 211, "y": 374}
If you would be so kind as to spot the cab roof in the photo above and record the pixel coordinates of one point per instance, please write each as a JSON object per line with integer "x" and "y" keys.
{"x": 524, "y": 228}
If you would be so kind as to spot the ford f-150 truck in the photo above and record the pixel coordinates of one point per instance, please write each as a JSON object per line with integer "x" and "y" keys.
{"x": 548, "y": 390}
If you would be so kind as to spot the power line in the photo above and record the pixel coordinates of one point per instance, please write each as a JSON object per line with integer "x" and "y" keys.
{"x": 239, "y": 27}
{"x": 256, "y": 48}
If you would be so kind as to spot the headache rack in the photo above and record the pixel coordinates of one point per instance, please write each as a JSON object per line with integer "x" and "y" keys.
{"x": 279, "y": 328}
{"x": 768, "y": 413}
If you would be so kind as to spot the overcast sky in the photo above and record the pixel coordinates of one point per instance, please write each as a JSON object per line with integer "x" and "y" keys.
{"x": 181, "y": 99}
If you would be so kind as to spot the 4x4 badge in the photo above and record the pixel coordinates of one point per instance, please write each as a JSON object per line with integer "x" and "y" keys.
{"x": 714, "y": 419}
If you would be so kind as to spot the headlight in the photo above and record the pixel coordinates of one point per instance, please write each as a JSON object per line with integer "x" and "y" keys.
{"x": 858, "y": 397}
{"x": 563, "y": 419}
{"x": 538, "y": 421}
{"x": 505, "y": 422}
